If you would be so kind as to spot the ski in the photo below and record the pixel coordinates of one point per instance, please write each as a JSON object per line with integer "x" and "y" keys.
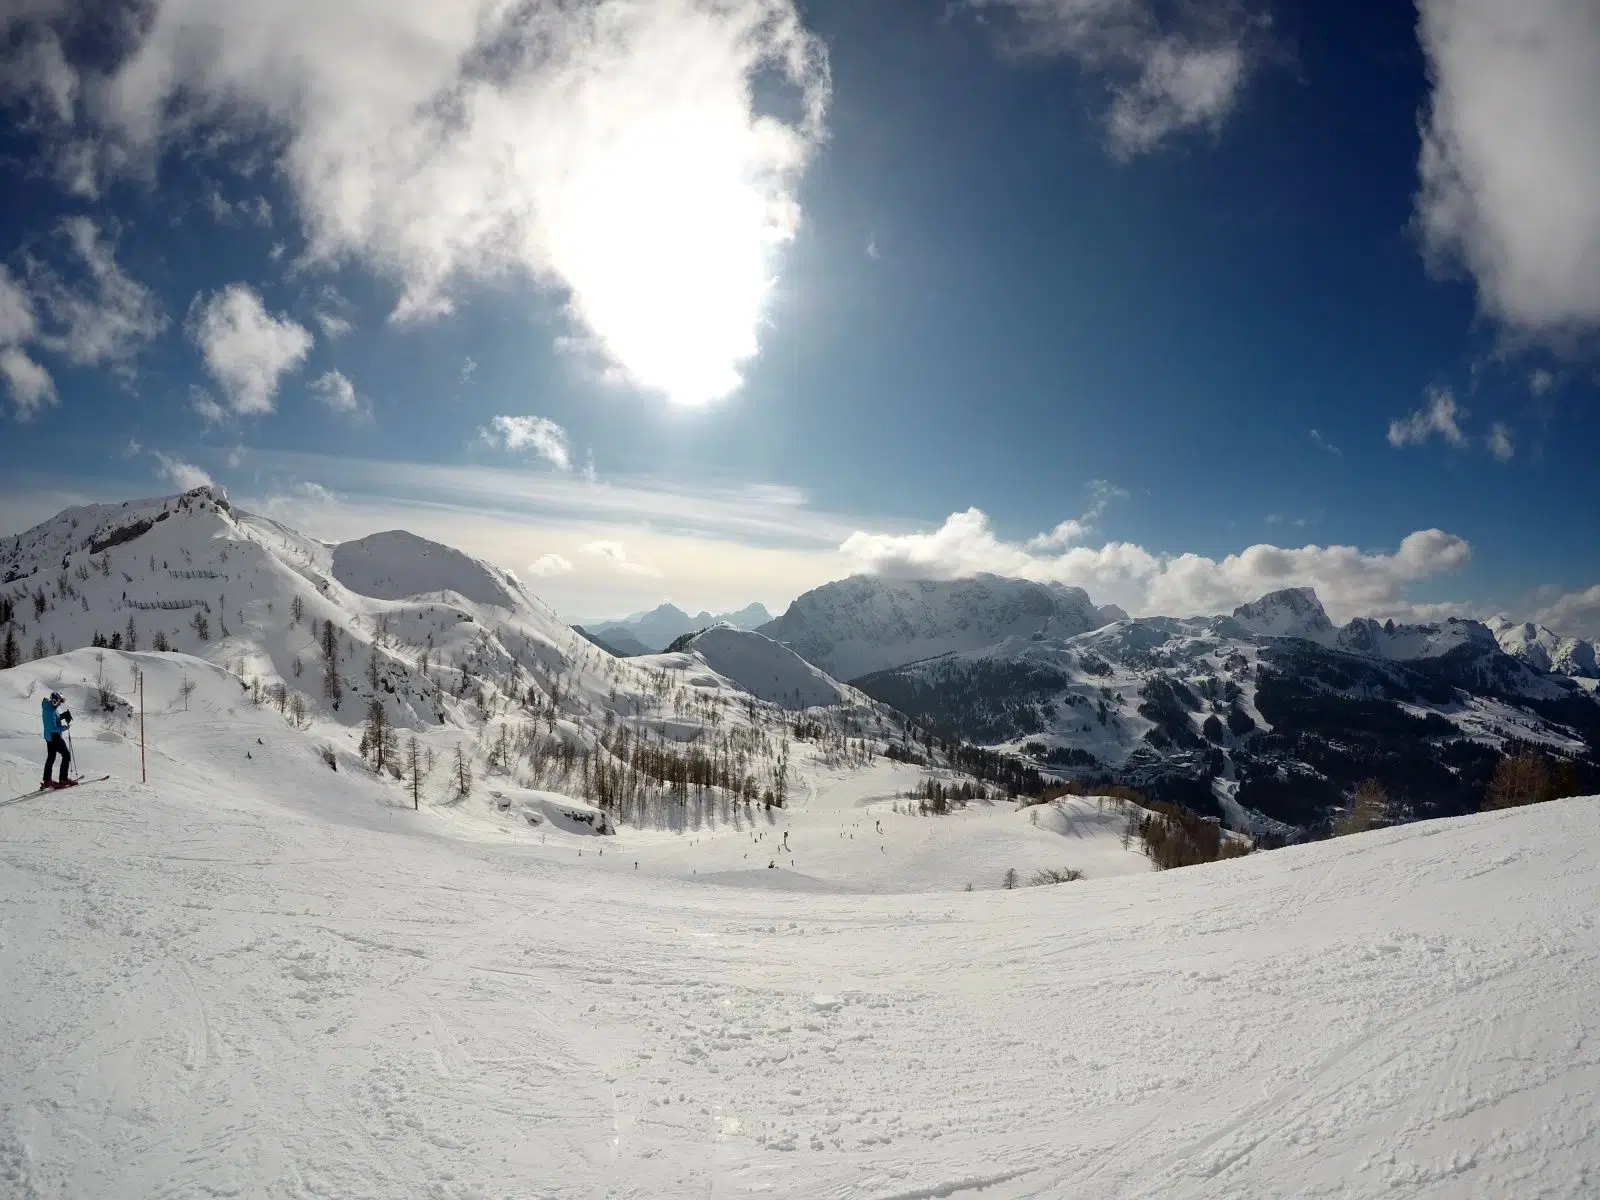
{"x": 46, "y": 791}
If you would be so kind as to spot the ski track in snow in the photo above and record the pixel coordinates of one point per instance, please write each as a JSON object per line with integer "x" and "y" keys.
{"x": 257, "y": 978}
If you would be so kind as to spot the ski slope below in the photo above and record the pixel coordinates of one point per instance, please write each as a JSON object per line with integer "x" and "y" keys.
{"x": 257, "y": 977}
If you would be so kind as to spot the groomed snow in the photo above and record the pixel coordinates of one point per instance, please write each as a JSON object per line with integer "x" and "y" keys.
{"x": 256, "y": 977}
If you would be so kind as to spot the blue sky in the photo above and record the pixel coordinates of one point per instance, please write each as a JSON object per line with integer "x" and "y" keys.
{"x": 716, "y": 302}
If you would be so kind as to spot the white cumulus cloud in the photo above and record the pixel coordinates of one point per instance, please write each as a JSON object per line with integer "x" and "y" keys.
{"x": 1350, "y": 581}
{"x": 539, "y": 434}
{"x": 548, "y": 566}
{"x": 640, "y": 160}
{"x": 246, "y": 349}
{"x": 29, "y": 384}
{"x": 1169, "y": 69}
{"x": 182, "y": 475}
{"x": 1574, "y": 614}
{"x": 1509, "y": 174}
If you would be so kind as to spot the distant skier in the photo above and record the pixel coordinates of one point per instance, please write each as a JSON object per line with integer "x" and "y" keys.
{"x": 56, "y": 720}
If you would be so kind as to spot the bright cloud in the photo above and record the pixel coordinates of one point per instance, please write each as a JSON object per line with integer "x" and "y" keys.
{"x": 549, "y": 565}
{"x": 1575, "y": 614}
{"x": 1349, "y": 581}
{"x": 616, "y": 555}
{"x": 29, "y": 384}
{"x": 182, "y": 475}
{"x": 1510, "y": 165}
{"x": 1169, "y": 71}
{"x": 339, "y": 396}
{"x": 538, "y": 434}
{"x": 246, "y": 349}
{"x": 614, "y": 152}
{"x": 1440, "y": 415}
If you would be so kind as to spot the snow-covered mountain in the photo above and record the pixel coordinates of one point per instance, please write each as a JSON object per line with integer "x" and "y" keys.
{"x": 765, "y": 668}
{"x": 1270, "y": 709}
{"x": 1548, "y": 651}
{"x": 866, "y": 623}
{"x": 1292, "y": 612}
{"x": 660, "y": 627}
{"x": 434, "y": 638}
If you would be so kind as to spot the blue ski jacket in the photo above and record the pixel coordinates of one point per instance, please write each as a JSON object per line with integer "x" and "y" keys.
{"x": 52, "y": 723}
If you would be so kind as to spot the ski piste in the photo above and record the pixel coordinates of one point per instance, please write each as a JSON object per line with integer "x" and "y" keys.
{"x": 44, "y": 791}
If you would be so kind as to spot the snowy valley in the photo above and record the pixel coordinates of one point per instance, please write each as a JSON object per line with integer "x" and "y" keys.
{"x": 428, "y": 895}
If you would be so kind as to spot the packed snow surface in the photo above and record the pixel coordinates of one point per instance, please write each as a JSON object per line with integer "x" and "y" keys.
{"x": 257, "y": 977}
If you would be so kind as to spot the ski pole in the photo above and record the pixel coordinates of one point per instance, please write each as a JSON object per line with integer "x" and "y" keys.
{"x": 72, "y": 753}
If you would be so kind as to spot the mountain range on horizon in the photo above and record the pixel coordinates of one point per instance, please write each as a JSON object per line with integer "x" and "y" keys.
{"x": 655, "y": 629}
{"x": 1266, "y": 717}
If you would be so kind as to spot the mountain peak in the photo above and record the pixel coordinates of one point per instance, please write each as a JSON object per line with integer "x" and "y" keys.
{"x": 1289, "y": 612}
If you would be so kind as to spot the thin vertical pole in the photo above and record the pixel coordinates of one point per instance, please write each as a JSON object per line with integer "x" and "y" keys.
{"x": 141, "y": 728}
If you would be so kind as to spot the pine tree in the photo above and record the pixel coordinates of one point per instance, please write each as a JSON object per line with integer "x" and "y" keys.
{"x": 414, "y": 766}
{"x": 332, "y": 685}
{"x": 297, "y": 610}
{"x": 379, "y": 736}
{"x": 131, "y": 636}
{"x": 463, "y": 772}
{"x": 10, "y": 656}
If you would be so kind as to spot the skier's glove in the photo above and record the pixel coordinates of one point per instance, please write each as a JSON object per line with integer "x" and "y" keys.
{"x": 64, "y": 717}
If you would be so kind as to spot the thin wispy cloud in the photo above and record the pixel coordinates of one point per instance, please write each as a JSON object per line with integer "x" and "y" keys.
{"x": 339, "y": 396}
{"x": 1167, "y": 70}
{"x": 445, "y": 145}
{"x": 1440, "y": 416}
{"x": 1499, "y": 442}
{"x": 538, "y": 435}
{"x": 204, "y": 405}
{"x": 246, "y": 349}
{"x": 1509, "y": 174}
{"x": 1318, "y": 437}
{"x": 615, "y": 555}
{"x": 103, "y": 315}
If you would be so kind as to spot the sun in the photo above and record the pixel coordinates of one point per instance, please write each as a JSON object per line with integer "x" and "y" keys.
{"x": 675, "y": 236}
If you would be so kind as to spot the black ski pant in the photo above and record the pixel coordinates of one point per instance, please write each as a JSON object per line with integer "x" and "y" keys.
{"x": 57, "y": 745}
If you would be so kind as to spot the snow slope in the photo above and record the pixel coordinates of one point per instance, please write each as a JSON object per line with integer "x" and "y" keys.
{"x": 256, "y": 977}
{"x": 397, "y": 565}
{"x": 764, "y": 668}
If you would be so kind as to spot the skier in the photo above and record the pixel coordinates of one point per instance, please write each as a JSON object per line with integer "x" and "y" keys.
{"x": 55, "y": 724}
